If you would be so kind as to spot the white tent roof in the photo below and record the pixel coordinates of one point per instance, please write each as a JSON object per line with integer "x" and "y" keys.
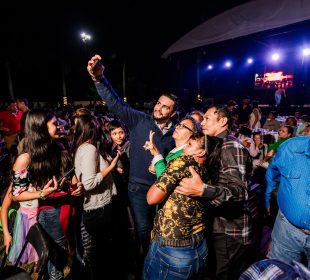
{"x": 249, "y": 18}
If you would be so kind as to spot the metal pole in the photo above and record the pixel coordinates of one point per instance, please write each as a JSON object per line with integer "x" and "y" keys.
{"x": 124, "y": 79}
{"x": 10, "y": 83}
{"x": 64, "y": 88}
{"x": 198, "y": 72}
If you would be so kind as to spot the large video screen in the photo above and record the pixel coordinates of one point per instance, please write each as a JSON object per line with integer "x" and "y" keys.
{"x": 274, "y": 80}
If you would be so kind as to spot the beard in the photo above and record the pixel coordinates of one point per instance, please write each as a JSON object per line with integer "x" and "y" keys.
{"x": 161, "y": 118}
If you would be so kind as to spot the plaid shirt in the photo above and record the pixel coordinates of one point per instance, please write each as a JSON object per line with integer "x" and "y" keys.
{"x": 229, "y": 195}
{"x": 273, "y": 269}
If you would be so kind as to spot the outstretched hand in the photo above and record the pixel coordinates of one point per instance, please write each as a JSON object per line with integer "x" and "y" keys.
{"x": 94, "y": 67}
{"x": 191, "y": 186}
{"x": 149, "y": 145}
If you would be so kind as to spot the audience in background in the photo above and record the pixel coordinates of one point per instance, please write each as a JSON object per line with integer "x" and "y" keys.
{"x": 255, "y": 116}
{"x": 10, "y": 124}
{"x": 197, "y": 116}
{"x": 271, "y": 122}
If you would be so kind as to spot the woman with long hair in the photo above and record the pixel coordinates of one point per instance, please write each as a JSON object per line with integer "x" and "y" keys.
{"x": 94, "y": 171}
{"x": 35, "y": 185}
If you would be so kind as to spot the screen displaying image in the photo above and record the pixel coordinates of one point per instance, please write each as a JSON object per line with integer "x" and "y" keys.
{"x": 274, "y": 80}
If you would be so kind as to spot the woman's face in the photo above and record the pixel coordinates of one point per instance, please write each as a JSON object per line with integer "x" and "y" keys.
{"x": 257, "y": 139}
{"x": 52, "y": 127}
{"x": 183, "y": 131}
{"x": 194, "y": 147}
{"x": 307, "y": 131}
{"x": 118, "y": 136}
{"x": 283, "y": 132}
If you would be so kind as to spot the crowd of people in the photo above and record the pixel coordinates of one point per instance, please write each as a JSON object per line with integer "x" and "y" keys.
{"x": 154, "y": 196}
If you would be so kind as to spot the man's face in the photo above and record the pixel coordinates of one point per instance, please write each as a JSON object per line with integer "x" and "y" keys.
{"x": 163, "y": 109}
{"x": 212, "y": 125}
{"x": 12, "y": 107}
{"x": 19, "y": 104}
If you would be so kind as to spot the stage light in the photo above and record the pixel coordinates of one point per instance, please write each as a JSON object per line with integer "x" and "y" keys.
{"x": 275, "y": 56}
{"x": 210, "y": 67}
{"x": 250, "y": 60}
{"x": 228, "y": 64}
{"x": 85, "y": 37}
{"x": 306, "y": 52}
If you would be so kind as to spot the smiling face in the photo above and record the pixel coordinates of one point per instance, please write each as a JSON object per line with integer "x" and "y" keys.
{"x": 118, "y": 136}
{"x": 52, "y": 127}
{"x": 257, "y": 139}
{"x": 163, "y": 109}
{"x": 284, "y": 133}
{"x": 183, "y": 131}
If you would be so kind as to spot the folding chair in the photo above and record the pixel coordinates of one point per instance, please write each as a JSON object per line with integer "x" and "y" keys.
{"x": 11, "y": 221}
{"x": 38, "y": 238}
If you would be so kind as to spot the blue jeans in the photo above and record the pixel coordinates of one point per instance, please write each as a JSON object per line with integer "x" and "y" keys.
{"x": 169, "y": 263}
{"x": 288, "y": 242}
{"x": 49, "y": 219}
{"x": 278, "y": 98}
{"x": 143, "y": 213}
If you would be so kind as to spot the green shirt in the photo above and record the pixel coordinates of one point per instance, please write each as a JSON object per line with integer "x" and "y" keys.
{"x": 160, "y": 166}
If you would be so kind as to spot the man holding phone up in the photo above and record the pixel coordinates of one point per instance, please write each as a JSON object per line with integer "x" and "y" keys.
{"x": 139, "y": 125}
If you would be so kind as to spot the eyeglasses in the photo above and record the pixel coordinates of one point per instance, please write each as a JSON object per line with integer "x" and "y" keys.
{"x": 181, "y": 125}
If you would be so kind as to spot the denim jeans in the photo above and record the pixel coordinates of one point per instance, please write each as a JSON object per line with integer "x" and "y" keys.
{"x": 169, "y": 263}
{"x": 288, "y": 242}
{"x": 49, "y": 219}
{"x": 278, "y": 98}
{"x": 143, "y": 213}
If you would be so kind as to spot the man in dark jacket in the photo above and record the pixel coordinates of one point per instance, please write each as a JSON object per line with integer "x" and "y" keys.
{"x": 139, "y": 124}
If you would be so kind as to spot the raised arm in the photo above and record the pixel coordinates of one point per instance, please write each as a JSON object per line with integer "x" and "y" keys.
{"x": 114, "y": 102}
{"x": 158, "y": 161}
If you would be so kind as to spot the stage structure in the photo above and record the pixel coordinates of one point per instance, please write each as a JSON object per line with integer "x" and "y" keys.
{"x": 256, "y": 18}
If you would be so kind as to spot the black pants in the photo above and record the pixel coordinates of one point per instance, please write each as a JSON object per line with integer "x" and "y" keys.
{"x": 98, "y": 223}
{"x": 232, "y": 257}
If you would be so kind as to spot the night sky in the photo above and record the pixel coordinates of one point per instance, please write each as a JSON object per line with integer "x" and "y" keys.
{"x": 42, "y": 46}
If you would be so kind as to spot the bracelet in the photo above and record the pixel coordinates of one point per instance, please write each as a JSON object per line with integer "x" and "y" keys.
{"x": 41, "y": 196}
{"x": 96, "y": 79}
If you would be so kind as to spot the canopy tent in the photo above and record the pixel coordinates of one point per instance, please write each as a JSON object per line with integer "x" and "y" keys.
{"x": 249, "y": 18}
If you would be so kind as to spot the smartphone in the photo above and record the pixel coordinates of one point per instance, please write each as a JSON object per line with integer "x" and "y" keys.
{"x": 95, "y": 64}
{"x": 65, "y": 175}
